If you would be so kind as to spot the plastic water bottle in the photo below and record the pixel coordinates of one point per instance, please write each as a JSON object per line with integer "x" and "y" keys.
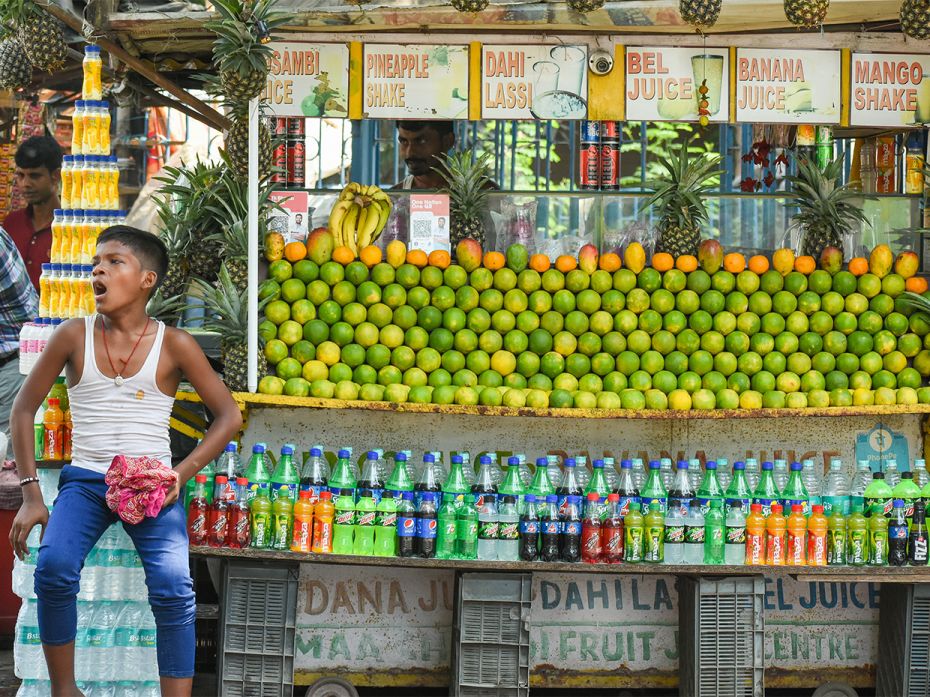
{"x": 892, "y": 475}
{"x": 859, "y": 482}
{"x": 921, "y": 477}
{"x": 582, "y": 473}
{"x": 694, "y": 473}
{"x": 674, "y": 536}
{"x": 526, "y": 475}
{"x": 812, "y": 483}
{"x": 753, "y": 473}
{"x": 554, "y": 469}
{"x": 27, "y": 647}
{"x": 694, "y": 536}
{"x": 780, "y": 474}
{"x": 488, "y": 527}
{"x": 101, "y": 639}
{"x": 734, "y": 551}
{"x": 639, "y": 473}
{"x": 835, "y": 491}
{"x": 724, "y": 473}
{"x": 666, "y": 472}
{"x": 610, "y": 472}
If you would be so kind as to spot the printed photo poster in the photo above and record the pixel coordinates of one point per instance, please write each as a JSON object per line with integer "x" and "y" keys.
{"x": 534, "y": 82}
{"x": 294, "y": 220}
{"x": 415, "y": 81}
{"x": 662, "y": 83}
{"x": 429, "y": 222}
{"x": 787, "y": 86}
{"x": 308, "y": 79}
{"x": 889, "y": 89}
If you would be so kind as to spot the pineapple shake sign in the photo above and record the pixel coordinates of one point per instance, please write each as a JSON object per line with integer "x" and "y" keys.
{"x": 779, "y": 86}
{"x": 415, "y": 81}
{"x": 889, "y": 89}
{"x": 663, "y": 84}
{"x": 534, "y": 82}
{"x": 308, "y": 79}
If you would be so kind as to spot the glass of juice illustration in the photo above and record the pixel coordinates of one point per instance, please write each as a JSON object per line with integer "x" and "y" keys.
{"x": 708, "y": 67}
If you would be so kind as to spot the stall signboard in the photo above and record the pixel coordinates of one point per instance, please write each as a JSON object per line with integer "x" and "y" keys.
{"x": 534, "y": 82}
{"x": 889, "y": 89}
{"x": 415, "y": 81}
{"x": 308, "y": 79}
{"x": 787, "y": 86}
{"x": 662, "y": 83}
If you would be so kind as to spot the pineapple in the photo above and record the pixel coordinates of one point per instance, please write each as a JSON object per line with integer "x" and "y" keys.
{"x": 176, "y": 236}
{"x": 700, "y": 13}
{"x": 468, "y": 185}
{"x": 585, "y": 5}
{"x": 166, "y": 308}
{"x": 806, "y": 13}
{"x": 470, "y": 6}
{"x": 15, "y": 68}
{"x": 826, "y": 210}
{"x": 236, "y": 142}
{"x": 40, "y": 34}
{"x": 676, "y": 196}
{"x": 915, "y": 18}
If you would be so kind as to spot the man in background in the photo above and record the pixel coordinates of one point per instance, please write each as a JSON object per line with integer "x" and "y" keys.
{"x": 420, "y": 145}
{"x": 38, "y": 177}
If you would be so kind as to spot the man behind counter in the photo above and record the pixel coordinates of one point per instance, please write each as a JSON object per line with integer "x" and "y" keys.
{"x": 420, "y": 144}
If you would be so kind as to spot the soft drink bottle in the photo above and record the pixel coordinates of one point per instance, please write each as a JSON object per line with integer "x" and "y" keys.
{"x": 811, "y": 479}
{"x": 857, "y": 537}
{"x": 426, "y": 525}
{"x": 197, "y": 512}
{"x": 386, "y": 527}
{"x": 877, "y": 497}
{"x": 554, "y": 469}
{"x": 780, "y": 474}
{"x": 591, "y": 530}
{"x": 53, "y": 422}
{"x": 734, "y": 551}
{"x": 570, "y": 523}
{"x": 549, "y": 527}
{"x": 796, "y": 553}
{"x": 541, "y": 487}
{"x": 714, "y": 527}
{"x": 371, "y": 478}
{"x": 508, "y": 530}
{"x": 908, "y": 492}
{"x": 260, "y": 511}
{"x": 365, "y": 513}
{"x": 610, "y": 473}
{"x": 598, "y": 485}
{"x": 301, "y": 537}
{"x": 427, "y": 481}
{"x": 626, "y": 490}
{"x": 755, "y": 536}
{"x": 674, "y": 536}
{"x": 456, "y": 483}
{"x": 817, "y": 526}
{"x": 529, "y": 530}
{"x": 633, "y": 534}
{"x": 654, "y": 491}
{"x": 512, "y": 484}
{"x": 892, "y": 475}
{"x": 836, "y": 538}
{"x": 483, "y": 488}
{"x": 466, "y": 529}
{"x": 488, "y": 528}
{"x": 313, "y": 475}
{"x": 341, "y": 483}
{"x": 835, "y": 490}
{"x": 568, "y": 486}
{"x": 897, "y": 534}
{"x": 766, "y": 492}
{"x": 323, "y": 516}
{"x": 344, "y": 522}
{"x": 406, "y": 526}
{"x": 738, "y": 490}
{"x": 710, "y": 489}
{"x": 654, "y": 534}
{"x": 861, "y": 479}
{"x": 775, "y": 543}
{"x": 681, "y": 493}
{"x": 400, "y": 480}
{"x": 240, "y": 534}
{"x": 255, "y": 472}
{"x": 229, "y": 466}
{"x": 285, "y": 479}
{"x": 445, "y": 531}
{"x": 917, "y": 540}
{"x": 282, "y": 512}
{"x": 612, "y": 531}
{"x": 878, "y": 538}
{"x": 794, "y": 491}
{"x": 694, "y": 536}
{"x": 219, "y": 513}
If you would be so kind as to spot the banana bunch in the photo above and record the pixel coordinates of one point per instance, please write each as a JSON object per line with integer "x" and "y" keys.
{"x": 359, "y": 216}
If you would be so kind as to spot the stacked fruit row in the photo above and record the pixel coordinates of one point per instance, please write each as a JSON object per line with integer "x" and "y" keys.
{"x": 596, "y": 331}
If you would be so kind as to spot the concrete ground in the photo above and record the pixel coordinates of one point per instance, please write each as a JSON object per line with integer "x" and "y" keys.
{"x": 9, "y": 683}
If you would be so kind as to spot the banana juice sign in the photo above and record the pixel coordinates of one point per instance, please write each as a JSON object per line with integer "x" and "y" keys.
{"x": 889, "y": 89}
{"x": 663, "y": 84}
{"x": 415, "y": 81}
{"x": 308, "y": 79}
{"x": 777, "y": 86}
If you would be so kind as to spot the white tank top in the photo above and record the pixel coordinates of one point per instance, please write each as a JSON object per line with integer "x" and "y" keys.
{"x": 130, "y": 420}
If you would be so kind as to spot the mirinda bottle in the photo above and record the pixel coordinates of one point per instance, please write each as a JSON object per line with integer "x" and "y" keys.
{"x": 755, "y": 536}
{"x": 323, "y": 514}
{"x": 775, "y": 529}
{"x": 54, "y": 422}
{"x": 817, "y": 526}
{"x": 797, "y": 537}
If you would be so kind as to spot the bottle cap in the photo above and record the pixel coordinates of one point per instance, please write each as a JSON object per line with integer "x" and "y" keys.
{"x": 400, "y": 457}
{"x": 796, "y": 508}
{"x": 907, "y": 475}
{"x": 796, "y": 467}
{"x": 484, "y": 460}
{"x": 710, "y": 465}
{"x": 878, "y": 475}
{"x": 898, "y": 503}
{"x": 542, "y": 462}
{"x": 613, "y": 498}
{"x": 594, "y": 496}
{"x": 304, "y": 494}
{"x": 598, "y": 464}
{"x": 682, "y": 464}
{"x": 258, "y": 448}
{"x": 755, "y": 507}
{"x": 626, "y": 464}
{"x": 569, "y": 462}
{"x": 777, "y": 508}
{"x": 231, "y": 447}
{"x": 287, "y": 450}
{"x": 817, "y": 508}
{"x": 326, "y": 496}
{"x": 221, "y": 479}
{"x": 654, "y": 464}
{"x": 372, "y": 455}
{"x": 200, "y": 478}
{"x": 347, "y": 492}
{"x": 429, "y": 458}
{"x": 530, "y": 498}
{"x": 513, "y": 461}
{"x": 344, "y": 455}
{"x": 316, "y": 452}
{"x": 767, "y": 466}
{"x": 53, "y": 402}
{"x": 407, "y": 496}
{"x": 508, "y": 499}
{"x": 457, "y": 460}
{"x": 242, "y": 481}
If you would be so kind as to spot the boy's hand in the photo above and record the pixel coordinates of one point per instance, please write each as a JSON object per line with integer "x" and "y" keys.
{"x": 30, "y": 514}
{"x": 172, "y": 494}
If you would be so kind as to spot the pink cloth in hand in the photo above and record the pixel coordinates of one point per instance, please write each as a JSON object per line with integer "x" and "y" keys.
{"x": 138, "y": 487}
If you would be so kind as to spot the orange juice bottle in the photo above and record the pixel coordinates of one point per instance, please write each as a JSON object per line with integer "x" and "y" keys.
{"x": 77, "y": 182}
{"x": 755, "y": 536}
{"x": 67, "y": 163}
{"x": 88, "y": 303}
{"x": 93, "y": 73}
{"x": 91, "y": 144}
{"x": 64, "y": 292}
{"x": 104, "y": 132}
{"x": 54, "y": 295}
{"x": 92, "y": 226}
{"x": 797, "y": 537}
{"x": 817, "y": 528}
{"x": 775, "y": 528}
{"x": 45, "y": 290}
{"x": 90, "y": 194}
{"x": 77, "y": 127}
{"x": 54, "y": 422}
{"x": 323, "y": 514}
{"x": 113, "y": 171}
{"x": 55, "y": 254}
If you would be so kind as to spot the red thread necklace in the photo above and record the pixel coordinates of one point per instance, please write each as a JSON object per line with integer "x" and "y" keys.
{"x": 119, "y": 380}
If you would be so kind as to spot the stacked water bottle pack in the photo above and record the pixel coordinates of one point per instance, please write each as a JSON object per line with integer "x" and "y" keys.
{"x": 115, "y": 644}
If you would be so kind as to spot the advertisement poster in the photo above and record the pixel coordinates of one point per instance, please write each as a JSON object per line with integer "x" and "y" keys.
{"x": 889, "y": 89}
{"x": 415, "y": 81}
{"x": 662, "y": 84}
{"x": 429, "y": 222}
{"x": 881, "y": 444}
{"x": 294, "y": 221}
{"x": 534, "y": 82}
{"x": 787, "y": 86}
{"x": 308, "y": 79}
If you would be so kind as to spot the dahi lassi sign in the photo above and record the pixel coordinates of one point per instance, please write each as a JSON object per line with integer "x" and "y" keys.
{"x": 534, "y": 82}
{"x": 787, "y": 86}
{"x": 663, "y": 84}
{"x": 415, "y": 81}
{"x": 889, "y": 89}
{"x": 308, "y": 79}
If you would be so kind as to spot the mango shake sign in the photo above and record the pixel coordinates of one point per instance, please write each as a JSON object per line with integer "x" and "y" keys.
{"x": 308, "y": 79}
{"x": 889, "y": 89}
{"x": 415, "y": 81}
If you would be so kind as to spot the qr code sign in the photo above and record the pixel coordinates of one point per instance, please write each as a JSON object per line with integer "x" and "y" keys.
{"x": 422, "y": 228}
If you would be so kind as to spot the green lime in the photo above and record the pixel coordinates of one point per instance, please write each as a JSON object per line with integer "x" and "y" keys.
{"x": 503, "y": 321}
{"x": 687, "y": 302}
{"x": 379, "y": 315}
{"x": 441, "y": 339}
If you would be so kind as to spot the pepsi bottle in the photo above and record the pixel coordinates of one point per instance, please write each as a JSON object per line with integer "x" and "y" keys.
{"x": 549, "y": 528}
{"x": 529, "y": 530}
{"x": 406, "y": 526}
{"x": 427, "y": 526}
{"x": 570, "y": 535}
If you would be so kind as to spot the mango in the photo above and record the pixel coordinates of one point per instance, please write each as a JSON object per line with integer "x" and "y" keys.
{"x": 881, "y": 260}
{"x": 320, "y": 246}
{"x": 710, "y": 256}
{"x": 831, "y": 260}
{"x": 274, "y": 246}
{"x": 906, "y": 264}
{"x": 634, "y": 257}
{"x": 517, "y": 257}
{"x": 468, "y": 254}
{"x": 783, "y": 261}
{"x": 587, "y": 258}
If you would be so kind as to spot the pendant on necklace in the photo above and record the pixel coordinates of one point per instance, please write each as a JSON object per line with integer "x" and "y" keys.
{"x": 118, "y": 381}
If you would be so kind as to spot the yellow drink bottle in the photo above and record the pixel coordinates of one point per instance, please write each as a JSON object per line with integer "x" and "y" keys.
{"x": 64, "y": 292}
{"x": 54, "y": 296}
{"x": 113, "y": 172}
{"x": 77, "y": 127}
{"x": 93, "y": 73}
{"x": 77, "y": 236}
{"x": 91, "y": 129}
{"x": 88, "y": 304}
{"x": 55, "y": 253}
{"x": 104, "y": 128}
{"x": 90, "y": 192}
{"x": 77, "y": 182}
{"x": 67, "y": 162}
{"x": 45, "y": 290}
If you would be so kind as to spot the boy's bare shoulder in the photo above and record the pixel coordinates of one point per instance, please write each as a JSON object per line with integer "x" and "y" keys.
{"x": 71, "y": 329}
{"x": 180, "y": 340}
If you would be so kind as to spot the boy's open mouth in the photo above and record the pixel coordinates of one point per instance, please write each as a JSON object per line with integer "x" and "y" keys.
{"x": 99, "y": 289}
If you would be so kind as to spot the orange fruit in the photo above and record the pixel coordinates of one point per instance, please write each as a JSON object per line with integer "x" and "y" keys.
{"x": 916, "y": 284}
{"x": 858, "y": 266}
{"x": 417, "y": 257}
{"x": 439, "y": 258}
{"x": 494, "y": 261}
{"x": 734, "y": 262}
{"x": 540, "y": 263}
{"x": 566, "y": 263}
{"x": 758, "y": 264}
{"x": 370, "y": 255}
{"x": 610, "y": 262}
{"x": 686, "y": 263}
{"x": 662, "y": 261}
{"x": 783, "y": 261}
{"x": 343, "y": 255}
{"x": 806, "y": 265}
{"x": 295, "y": 251}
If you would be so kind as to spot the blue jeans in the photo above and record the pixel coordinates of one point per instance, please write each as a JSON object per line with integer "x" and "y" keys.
{"x": 79, "y": 518}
